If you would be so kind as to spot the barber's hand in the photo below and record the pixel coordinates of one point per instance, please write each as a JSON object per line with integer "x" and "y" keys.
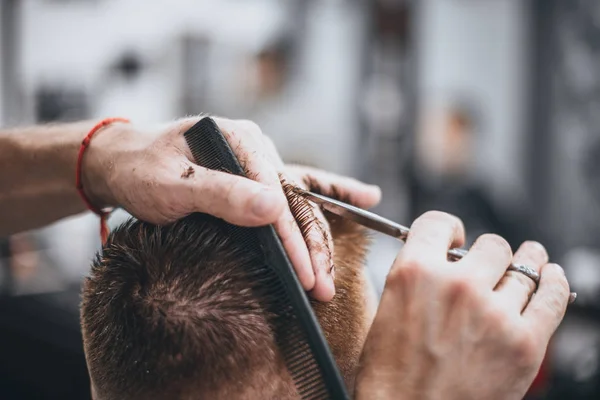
{"x": 460, "y": 330}
{"x": 152, "y": 175}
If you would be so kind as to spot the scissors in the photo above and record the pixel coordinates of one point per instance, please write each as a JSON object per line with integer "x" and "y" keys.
{"x": 391, "y": 228}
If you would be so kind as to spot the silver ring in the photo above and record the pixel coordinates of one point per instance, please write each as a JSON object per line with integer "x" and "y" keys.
{"x": 527, "y": 271}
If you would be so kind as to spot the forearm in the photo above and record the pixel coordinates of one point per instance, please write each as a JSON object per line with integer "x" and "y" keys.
{"x": 37, "y": 175}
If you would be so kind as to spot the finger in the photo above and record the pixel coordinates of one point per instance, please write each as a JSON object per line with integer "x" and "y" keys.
{"x": 488, "y": 259}
{"x": 317, "y": 235}
{"x": 240, "y": 201}
{"x": 514, "y": 288}
{"x": 340, "y": 187}
{"x": 246, "y": 141}
{"x": 432, "y": 234}
{"x": 547, "y": 307}
{"x": 235, "y": 199}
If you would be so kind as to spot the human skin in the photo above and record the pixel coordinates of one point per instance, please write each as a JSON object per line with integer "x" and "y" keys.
{"x": 151, "y": 174}
{"x": 460, "y": 330}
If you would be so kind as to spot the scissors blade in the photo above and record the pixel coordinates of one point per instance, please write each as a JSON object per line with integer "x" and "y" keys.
{"x": 358, "y": 215}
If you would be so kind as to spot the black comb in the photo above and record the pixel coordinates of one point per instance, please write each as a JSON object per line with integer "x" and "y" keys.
{"x": 295, "y": 326}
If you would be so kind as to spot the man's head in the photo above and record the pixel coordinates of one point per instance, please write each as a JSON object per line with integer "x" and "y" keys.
{"x": 170, "y": 313}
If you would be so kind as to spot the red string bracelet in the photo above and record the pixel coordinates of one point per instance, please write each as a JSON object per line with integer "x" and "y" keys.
{"x": 103, "y": 214}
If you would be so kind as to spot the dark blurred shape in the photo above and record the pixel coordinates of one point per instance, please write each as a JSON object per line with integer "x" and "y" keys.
{"x": 57, "y": 103}
{"x": 591, "y": 167}
{"x": 6, "y": 278}
{"x": 387, "y": 104}
{"x": 392, "y": 20}
{"x": 129, "y": 65}
{"x": 273, "y": 64}
{"x": 582, "y": 382}
{"x": 41, "y": 352}
{"x": 10, "y": 62}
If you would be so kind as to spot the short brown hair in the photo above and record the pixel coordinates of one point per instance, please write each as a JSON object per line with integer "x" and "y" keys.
{"x": 169, "y": 312}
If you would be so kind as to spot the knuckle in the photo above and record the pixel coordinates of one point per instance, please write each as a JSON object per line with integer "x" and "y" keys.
{"x": 441, "y": 217}
{"x": 268, "y": 141}
{"x": 533, "y": 252}
{"x": 406, "y": 271}
{"x": 535, "y": 246}
{"x": 184, "y": 124}
{"x": 173, "y": 132}
{"x": 562, "y": 278}
{"x": 457, "y": 287}
{"x": 250, "y": 127}
{"x": 498, "y": 242}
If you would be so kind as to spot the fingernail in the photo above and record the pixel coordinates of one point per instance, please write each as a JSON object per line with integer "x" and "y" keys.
{"x": 265, "y": 201}
{"x": 332, "y": 271}
{"x": 572, "y": 297}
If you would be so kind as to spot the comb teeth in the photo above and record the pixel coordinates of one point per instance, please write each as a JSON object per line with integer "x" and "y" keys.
{"x": 296, "y": 330}
{"x": 208, "y": 148}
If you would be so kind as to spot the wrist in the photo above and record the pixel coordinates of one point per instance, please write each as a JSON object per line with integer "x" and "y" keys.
{"x": 99, "y": 162}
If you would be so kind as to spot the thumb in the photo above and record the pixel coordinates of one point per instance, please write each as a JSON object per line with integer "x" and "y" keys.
{"x": 237, "y": 200}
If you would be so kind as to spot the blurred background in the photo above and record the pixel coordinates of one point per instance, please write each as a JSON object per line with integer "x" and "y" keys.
{"x": 489, "y": 109}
